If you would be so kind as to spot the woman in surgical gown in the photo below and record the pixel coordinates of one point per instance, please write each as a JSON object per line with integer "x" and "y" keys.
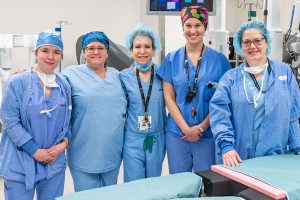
{"x": 144, "y": 144}
{"x": 36, "y": 111}
{"x": 98, "y": 116}
{"x": 190, "y": 76}
{"x": 256, "y": 107}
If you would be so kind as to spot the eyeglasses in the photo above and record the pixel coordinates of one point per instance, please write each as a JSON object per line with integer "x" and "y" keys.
{"x": 256, "y": 42}
{"x": 93, "y": 49}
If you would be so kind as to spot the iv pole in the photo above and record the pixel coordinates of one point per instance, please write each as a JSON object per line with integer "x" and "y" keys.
{"x": 58, "y": 29}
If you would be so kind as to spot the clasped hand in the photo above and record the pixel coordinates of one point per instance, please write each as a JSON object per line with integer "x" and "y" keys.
{"x": 193, "y": 134}
{"x": 49, "y": 155}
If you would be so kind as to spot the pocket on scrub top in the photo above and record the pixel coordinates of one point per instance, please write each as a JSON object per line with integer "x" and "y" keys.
{"x": 157, "y": 95}
{"x": 208, "y": 92}
{"x": 59, "y": 164}
{"x": 283, "y": 84}
{"x": 63, "y": 102}
{"x": 181, "y": 90}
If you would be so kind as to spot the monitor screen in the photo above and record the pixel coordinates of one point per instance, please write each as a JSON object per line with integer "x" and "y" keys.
{"x": 172, "y": 7}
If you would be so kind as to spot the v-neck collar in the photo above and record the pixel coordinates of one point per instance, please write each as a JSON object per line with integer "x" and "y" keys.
{"x": 93, "y": 74}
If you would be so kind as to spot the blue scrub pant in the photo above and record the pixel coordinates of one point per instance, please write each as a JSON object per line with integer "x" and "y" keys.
{"x": 186, "y": 156}
{"x": 46, "y": 189}
{"x": 138, "y": 163}
{"x": 85, "y": 180}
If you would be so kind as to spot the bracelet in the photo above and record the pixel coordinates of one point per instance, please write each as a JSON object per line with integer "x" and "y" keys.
{"x": 201, "y": 129}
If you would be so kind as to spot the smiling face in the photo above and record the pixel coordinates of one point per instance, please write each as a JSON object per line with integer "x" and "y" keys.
{"x": 255, "y": 54}
{"x": 95, "y": 54}
{"x": 142, "y": 50}
{"x": 193, "y": 30}
{"x": 48, "y": 58}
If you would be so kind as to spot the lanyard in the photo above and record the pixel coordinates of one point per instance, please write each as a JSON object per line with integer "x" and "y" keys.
{"x": 194, "y": 91}
{"x": 145, "y": 102}
{"x": 255, "y": 81}
{"x": 255, "y": 98}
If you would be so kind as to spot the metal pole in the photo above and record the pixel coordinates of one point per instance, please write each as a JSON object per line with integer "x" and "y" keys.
{"x": 60, "y": 22}
{"x": 161, "y": 32}
{"x": 265, "y": 11}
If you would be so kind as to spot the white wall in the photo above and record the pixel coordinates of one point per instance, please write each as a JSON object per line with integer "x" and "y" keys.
{"x": 114, "y": 18}
{"x": 234, "y": 18}
{"x": 151, "y": 20}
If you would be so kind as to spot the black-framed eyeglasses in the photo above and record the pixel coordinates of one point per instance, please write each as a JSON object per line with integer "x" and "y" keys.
{"x": 93, "y": 49}
{"x": 256, "y": 42}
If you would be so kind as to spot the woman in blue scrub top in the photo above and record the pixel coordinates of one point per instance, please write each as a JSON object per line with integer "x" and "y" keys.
{"x": 98, "y": 116}
{"x": 144, "y": 144}
{"x": 36, "y": 111}
{"x": 190, "y": 76}
{"x": 256, "y": 107}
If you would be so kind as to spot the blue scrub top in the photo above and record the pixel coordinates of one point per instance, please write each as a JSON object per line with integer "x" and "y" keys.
{"x": 232, "y": 117}
{"x": 156, "y": 106}
{"x": 98, "y": 119}
{"x": 213, "y": 65}
{"x": 252, "y": 91}
{"x": 44, "y": 129}
{"x": 18, "y": 126}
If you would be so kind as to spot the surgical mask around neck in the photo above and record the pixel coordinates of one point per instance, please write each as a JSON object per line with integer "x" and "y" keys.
{"x": 255, "y": 98}
{"x": 255, "y": 70}
{"x": 142, "y": 68}
{"x": 48, "y": 80}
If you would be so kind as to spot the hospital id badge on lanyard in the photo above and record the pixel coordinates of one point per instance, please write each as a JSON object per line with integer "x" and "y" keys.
{"x": 144, "y": 123}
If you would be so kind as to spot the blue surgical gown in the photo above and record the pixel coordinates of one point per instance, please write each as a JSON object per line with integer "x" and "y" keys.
{"x": 22, "y": 122}
{"x": 45, "y": 129}
{"x": 98, "y": 119}
{"x": 232, "y": 117}
{"x": 136, "y": 160}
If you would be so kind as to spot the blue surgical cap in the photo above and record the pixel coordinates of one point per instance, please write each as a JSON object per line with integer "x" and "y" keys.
{"x": 249, "y": 25}
{"x": 95, "y": 36}
{"x": 142, "y": 30}
{"x": 50, "y": 38}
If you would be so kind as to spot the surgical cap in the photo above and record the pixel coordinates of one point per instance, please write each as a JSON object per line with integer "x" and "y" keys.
{"x": 238, "y": 36}
{"x": 49, "y": 38}
{"x": 95, "y": 36}
{"x": 142, "y": 30}
{"x": 197, "y": 12}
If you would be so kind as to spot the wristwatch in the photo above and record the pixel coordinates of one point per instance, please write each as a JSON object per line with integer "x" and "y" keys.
{"x": 201, "y": 129}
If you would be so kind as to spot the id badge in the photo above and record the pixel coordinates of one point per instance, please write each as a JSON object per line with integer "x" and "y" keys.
{"x": 143, "y": 125}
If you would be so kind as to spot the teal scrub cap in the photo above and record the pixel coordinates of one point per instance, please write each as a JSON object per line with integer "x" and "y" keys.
{"x": 249, "y": 25}
{"x": 143, "y": 30}
{"x": 51, "y": 38}
{"x": 95, "y": 36}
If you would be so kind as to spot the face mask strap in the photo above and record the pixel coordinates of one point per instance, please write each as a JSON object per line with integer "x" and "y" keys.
{"x": 260, "y": 91}
{"x": 46, "y": 110}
